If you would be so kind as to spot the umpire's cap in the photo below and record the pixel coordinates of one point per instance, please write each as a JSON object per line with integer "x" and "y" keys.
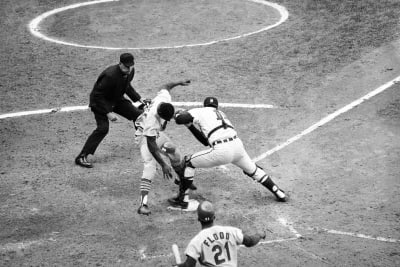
{"x": 205, "y": 212}
{"x": 127, "y": 59}
{"x": 166, "y": 111}
{"x": 211, "y": 102}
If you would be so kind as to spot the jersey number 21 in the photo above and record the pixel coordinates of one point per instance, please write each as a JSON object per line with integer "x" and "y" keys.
{"x": 218, "y": 257}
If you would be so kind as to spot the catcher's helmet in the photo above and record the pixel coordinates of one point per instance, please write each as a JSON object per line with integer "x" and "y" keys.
{"x": 168, "y": 147}
{"x": 205, "y": 212}
{"x": 166, "y": 111}
{"x": 211, "y": 102}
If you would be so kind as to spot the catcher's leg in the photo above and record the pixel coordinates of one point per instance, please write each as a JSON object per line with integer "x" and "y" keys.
{"x": 260, "y": 176}
{"x": 182, "y": 199}
{"x": 174, "y": 155}
{"x": 256, "y": 173}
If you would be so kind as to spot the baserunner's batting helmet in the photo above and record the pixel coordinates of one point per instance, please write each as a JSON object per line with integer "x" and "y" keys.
{"x": 205, "y": 212}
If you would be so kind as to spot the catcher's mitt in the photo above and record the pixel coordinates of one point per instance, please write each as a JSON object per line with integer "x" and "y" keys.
{"x": 183, "y": 117}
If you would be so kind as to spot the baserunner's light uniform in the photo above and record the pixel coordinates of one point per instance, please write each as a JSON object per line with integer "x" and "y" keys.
{"x": 151, "y": 139}
{"x": 216, "y": 246}
{"x": 150, "y": 124}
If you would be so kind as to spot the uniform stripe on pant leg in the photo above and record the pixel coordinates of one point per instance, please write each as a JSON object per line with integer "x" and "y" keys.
{"x": 145, "y": 185}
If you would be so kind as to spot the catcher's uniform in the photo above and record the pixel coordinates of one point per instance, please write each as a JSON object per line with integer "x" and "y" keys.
{"x": 226, "y": 146}
{"x": 212, "y": 128}
{"x": 216, "y": 246}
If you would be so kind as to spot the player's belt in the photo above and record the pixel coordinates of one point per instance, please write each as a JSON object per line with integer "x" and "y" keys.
{"x": 223, "y": 140}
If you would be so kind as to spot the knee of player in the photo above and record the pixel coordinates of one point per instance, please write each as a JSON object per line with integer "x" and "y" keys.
{"x": 189, "y": 168}
{"x": 257, "y": 175}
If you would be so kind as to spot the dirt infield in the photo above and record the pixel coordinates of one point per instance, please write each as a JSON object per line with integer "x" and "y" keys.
{"x": 343, "y": 177}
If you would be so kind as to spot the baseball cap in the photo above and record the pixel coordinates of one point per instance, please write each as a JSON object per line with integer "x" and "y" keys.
{"x": 211, "y": 102}
{"x": 127, "y": 59}
{"x": 205, "y": 212}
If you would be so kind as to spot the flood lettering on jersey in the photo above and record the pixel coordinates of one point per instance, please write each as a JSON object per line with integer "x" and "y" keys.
{"x": 217, "y": 236}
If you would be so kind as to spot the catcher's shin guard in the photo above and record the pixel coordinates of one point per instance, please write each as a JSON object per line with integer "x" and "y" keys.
{"x": 180, "y": 171}
{"x": 260, "y": 176}
{"x": 182, "y": 199}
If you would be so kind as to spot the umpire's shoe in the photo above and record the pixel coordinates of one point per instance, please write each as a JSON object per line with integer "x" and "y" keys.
{"x": 81, "y": 160}
{"x": 178, "y": 202}
{"x": 144, "y": 210}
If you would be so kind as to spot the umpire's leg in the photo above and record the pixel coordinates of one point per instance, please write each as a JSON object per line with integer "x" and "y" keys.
{"x": 127, "y": 110}
{"x": 97, "y": 135}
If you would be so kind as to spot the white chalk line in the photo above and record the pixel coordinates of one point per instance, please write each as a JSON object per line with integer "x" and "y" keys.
{"x": 79, "y": 108}
{"x": 289, "y": 225}
{"x": 330, "y": 117}
{"x": 376, "y": 238}
{"x": 34, "y": 27}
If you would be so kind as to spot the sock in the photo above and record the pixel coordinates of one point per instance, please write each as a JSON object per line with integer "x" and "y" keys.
{"x": 145, "y": 186}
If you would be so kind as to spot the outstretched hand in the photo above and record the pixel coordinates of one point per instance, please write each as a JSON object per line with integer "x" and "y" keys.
{"x": 167, "y": 171}
{"x": 185, "y": 83}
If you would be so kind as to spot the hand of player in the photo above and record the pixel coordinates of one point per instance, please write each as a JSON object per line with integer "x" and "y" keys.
{"x": 185, "y": 83}
{"x": 111, "y": 116}
{"x": 167, "y": 171}
{"x": 263, "y": 235}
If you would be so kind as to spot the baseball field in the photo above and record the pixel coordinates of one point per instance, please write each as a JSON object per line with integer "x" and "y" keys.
{"x": 311, "y": 86}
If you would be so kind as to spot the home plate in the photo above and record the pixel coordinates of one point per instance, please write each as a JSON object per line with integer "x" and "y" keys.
{"x": 193, "y": 204}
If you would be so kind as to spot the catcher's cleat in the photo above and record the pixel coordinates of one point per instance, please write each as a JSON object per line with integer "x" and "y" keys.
{"x": 178, "y": 202}
{"x": 191, "y": 187}
{"x": 82, "y": 161}
{"x": 280, "y": 195}
{"x": 144, "y": 210}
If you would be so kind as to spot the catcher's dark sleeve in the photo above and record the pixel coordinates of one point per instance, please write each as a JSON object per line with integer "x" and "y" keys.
{"x": 198, "y": 134}
{"x": 252, "y": 240}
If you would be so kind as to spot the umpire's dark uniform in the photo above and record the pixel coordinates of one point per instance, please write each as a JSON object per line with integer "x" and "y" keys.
{"x": 108, "y": 96}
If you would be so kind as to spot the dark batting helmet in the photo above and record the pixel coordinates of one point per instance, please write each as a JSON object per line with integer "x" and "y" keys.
{"x": 211, "y": 102}
{"x": 205, "y": 212}
{"x": 166, "y": 111}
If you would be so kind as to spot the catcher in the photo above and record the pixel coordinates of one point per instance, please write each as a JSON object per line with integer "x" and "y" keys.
{"x": 216, "y": 245}
{"x": 212, "y": 128}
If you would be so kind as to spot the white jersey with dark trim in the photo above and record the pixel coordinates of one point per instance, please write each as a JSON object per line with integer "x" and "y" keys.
{"x": 216, "y": 246}
{"x": 149, "y": 123}
{"x": 211, "y": 122}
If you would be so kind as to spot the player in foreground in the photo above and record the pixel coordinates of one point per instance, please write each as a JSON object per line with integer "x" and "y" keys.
{"x": 154, "y": 143}
{"x": 212, "y": 128}
{"x": 216, "y": 245}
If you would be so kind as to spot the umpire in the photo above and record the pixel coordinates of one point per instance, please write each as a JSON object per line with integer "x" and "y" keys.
{"x": 106, "y": 99}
